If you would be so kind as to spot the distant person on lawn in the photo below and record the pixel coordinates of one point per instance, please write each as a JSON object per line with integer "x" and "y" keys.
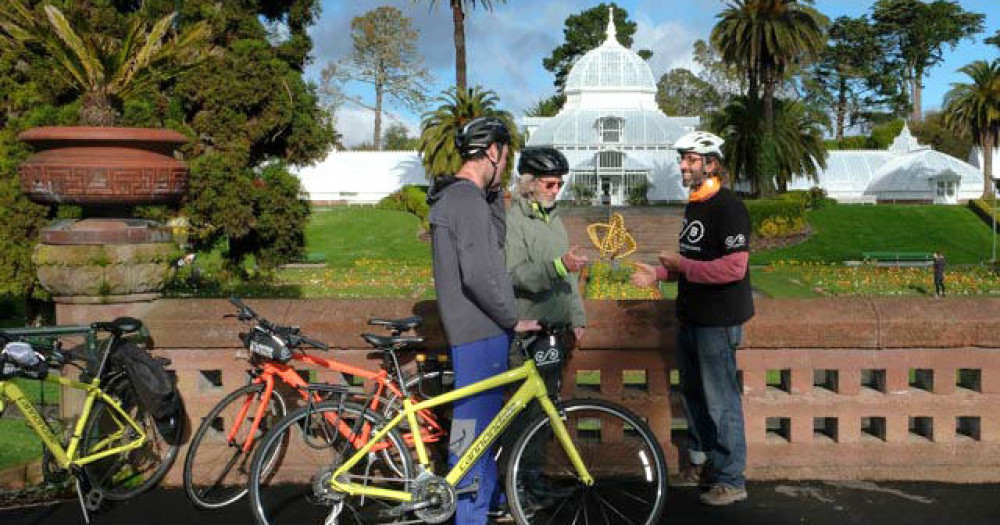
{"x": 939, "y": 265}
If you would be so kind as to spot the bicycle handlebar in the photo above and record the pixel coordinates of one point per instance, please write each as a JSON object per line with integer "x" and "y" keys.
{"x": 289, "y": 333}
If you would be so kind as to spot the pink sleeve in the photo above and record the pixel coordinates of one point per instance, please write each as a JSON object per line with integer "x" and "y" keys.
{"x": 662, "y": 274}
{"x": 726, "y": 269}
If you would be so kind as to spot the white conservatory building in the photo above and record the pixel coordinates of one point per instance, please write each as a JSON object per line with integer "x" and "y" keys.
{"x": 906, "y": 172}
{"x": 611, "y": 130}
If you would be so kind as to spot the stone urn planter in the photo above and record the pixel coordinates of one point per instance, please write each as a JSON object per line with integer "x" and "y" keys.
{"x": 103, "y": 170}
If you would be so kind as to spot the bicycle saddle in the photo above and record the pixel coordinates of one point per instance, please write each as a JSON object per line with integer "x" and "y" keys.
{"x": 400, "y": 325}
{"x": 383, "y": 341}
{"x": 121, "y": 325}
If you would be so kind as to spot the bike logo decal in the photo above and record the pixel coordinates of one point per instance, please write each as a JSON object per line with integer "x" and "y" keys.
{"x": 735, "y": 241}
{"x": 693, "y": 232}
{"x": 547, "y": 357}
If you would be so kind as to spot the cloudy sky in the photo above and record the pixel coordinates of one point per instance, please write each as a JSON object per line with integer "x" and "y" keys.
{"x": 505, "y": 47}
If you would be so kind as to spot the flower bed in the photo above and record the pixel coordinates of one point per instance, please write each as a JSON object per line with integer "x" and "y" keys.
{"x": 833, "y": 279}
{"x": 608, "y": 281}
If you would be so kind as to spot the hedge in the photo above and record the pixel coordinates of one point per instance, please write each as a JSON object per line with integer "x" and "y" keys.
{"x": 411, "y": 199}
{"x": 777, "y": 217}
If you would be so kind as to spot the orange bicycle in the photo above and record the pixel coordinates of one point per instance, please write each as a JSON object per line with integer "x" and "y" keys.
{"x": 217, "y": 464}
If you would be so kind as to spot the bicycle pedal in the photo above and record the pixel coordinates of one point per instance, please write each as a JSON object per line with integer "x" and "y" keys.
{"x": 93, "y": 500}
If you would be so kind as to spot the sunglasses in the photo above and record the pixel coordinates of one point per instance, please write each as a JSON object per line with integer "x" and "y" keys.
{"x": 552, "y": 184}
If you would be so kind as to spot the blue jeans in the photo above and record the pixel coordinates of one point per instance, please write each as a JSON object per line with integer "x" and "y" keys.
{"x": 706, "y": 360}
{"x": 474, "y": 362}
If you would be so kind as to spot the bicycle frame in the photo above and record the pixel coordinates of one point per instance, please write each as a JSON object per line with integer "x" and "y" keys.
{"x": 290, "y": 377}
{"x": 67, "y": 457}
{"x": 533, "y": 387}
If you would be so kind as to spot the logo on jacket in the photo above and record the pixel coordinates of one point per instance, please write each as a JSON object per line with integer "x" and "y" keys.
{"x": 693, "y": 232}
{"x": 736, "y": 241}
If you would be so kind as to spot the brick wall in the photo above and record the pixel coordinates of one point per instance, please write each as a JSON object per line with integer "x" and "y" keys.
{"x": 833, "y": 389}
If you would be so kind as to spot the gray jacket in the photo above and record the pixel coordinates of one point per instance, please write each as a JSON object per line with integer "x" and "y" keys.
{"x": 474, "y": 292}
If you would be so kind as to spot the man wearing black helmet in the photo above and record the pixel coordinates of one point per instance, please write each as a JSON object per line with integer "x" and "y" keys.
{"x": 713, "y": 302}
{"x": 474, "y": 295}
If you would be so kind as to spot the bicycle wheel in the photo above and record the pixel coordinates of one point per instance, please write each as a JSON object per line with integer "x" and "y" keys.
{"x": 127, "y": 474}
{"x": 296, "y": 490}
{"x": 621, "y": 453}
{"x": 216, "y": 468}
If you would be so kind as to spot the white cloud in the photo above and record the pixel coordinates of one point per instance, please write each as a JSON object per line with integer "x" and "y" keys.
{"x": 671, "y": 43}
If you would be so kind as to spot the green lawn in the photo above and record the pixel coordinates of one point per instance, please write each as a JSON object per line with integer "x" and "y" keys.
{"x": 20, "y": 443}
{"x": 346, "y": 234}
{"x": 843, "y": 231}
{"x": 780, "y": 284}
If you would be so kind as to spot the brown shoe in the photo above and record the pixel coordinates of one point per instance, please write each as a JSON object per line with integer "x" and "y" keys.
{"x": 721, "y": 495}
{"x": 693, "y": 475}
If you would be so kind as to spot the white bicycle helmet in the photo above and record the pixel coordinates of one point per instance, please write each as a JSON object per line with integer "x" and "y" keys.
{"x": 700, "y": 142}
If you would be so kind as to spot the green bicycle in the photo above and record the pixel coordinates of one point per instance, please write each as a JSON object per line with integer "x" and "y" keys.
{"x": 116, "y": 450}
{"x": 581, "y": 461}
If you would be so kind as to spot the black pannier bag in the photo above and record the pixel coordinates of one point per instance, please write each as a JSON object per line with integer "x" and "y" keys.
{"x": 19, "y": 359}
{"x": 153, "y": 386}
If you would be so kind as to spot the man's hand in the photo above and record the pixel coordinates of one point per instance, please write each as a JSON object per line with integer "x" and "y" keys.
{"x": 670, "y": 260}
{"x": 578, "y": 332}
{"x": 644, "y": 275}
{"x": 527, "y": 325}
{"x": 573, "y": 262}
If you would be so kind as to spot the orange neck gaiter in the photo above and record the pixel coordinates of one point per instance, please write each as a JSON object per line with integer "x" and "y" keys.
{"x": 706, "y": 191}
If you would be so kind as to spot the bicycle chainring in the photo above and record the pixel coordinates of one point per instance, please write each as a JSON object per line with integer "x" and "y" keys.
{"x": 438, "y": 490}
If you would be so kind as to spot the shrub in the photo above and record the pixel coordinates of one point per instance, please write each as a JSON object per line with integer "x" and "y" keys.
{"x": 790, "y": 209}
{"x": 781, "y": 227}
{"x": 412, "y": 199}
{"x": 812, "y": 199}
{"x": 638, "y": 194}
{"x": 582, "y": 193}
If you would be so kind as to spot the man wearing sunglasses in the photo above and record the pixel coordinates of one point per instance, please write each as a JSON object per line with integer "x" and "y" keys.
{"x": 713, "y": 302}
{"x": 544, "y": 270}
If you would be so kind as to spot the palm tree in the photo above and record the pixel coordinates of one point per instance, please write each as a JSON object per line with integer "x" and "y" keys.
{"x": 975, "y": 109}
{"x": 458, "y": 9}
{"x": 764, "y": 39}
{"x": 437, "y": 130}
{"x": 797, "y": 142}
{"x": 102, "y": 68}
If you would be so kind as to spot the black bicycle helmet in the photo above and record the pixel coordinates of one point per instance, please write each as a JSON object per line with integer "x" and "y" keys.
{"x": 477, "y": 135}
{"x": 542, "y": 161}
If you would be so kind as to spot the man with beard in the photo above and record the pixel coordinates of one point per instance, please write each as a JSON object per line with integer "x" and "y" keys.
{"x": 475, "y": 296}
{"x": 713, "y": 302}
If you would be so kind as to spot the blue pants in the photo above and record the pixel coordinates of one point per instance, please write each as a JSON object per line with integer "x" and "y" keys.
{"x": 474, "y": 362}
{"x": 706, "y": 361}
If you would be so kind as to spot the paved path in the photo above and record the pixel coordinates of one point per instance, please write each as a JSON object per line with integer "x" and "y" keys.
{"x": 772, "y": 503}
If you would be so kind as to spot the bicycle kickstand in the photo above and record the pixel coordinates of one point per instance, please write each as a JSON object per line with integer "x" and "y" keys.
{"x": 90, "y": 498}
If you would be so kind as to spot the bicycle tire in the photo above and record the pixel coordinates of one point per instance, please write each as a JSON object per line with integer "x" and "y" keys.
{"x": 215, "y": 490}
{"x": 621, "y": 453}
{"x": 296, "y": 492}
{"x": 123, "y": 476}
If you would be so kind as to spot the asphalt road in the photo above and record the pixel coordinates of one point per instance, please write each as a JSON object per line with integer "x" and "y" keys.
{"x": 772, "y": 503}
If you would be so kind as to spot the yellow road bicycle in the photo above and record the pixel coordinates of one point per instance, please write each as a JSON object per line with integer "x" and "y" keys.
{"x": 580, "y": 461}
{"x": 115, "y": 450}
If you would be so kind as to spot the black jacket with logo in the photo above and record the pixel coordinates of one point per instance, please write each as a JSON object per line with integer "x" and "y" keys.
{"x": 714, "y": 228}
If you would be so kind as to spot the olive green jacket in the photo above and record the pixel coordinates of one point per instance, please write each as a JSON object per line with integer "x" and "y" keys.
{"x": 534, "y": 247}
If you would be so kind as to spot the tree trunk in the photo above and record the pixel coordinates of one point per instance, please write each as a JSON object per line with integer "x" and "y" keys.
{"x": 96, "y": 110}
{"x": 458, "y": 16}
{"x": 987, "y": 144}
{"x": 916, "y": 115}
{"x": 377, "y": 139}
{"x": 841, "y": 107}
